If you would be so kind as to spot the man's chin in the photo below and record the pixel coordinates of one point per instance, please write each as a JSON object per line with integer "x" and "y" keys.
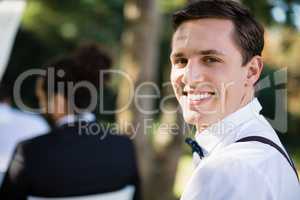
{"x": 197, "y": 119}
{"x": 192, "y": 118}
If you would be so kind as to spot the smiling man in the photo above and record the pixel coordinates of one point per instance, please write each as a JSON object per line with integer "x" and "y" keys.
{"x": 216, "y": 61}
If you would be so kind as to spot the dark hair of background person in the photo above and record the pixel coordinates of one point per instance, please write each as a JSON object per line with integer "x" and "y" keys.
{"x": 84, "y": 64}
{"x": 249, "y": 34}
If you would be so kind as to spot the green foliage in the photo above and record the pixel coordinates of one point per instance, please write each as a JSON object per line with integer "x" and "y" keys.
{"x": 170, "y": 5}
{"x": 57, "y": 22}
{"x": 262, "y": 9}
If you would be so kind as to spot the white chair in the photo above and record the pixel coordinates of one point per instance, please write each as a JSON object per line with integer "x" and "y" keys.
{"x": 123, "y": 194}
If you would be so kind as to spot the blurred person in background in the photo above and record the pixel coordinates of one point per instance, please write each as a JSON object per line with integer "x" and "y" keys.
{"x": 216, "y": 62}
{"x": 15, "y": 126}
{"x": 73, "y": 159}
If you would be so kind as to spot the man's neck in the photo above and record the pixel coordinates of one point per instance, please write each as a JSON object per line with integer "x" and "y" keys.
{"x": 245, "y": 100}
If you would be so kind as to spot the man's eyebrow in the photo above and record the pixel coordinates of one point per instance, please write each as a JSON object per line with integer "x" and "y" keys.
{"x": 210, "y": 52}
{"x": 201, "y": 52}
{"x": 177, "y": 55}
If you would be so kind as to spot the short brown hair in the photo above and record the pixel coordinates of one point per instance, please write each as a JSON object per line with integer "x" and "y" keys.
{"x": 249, "y": 34}
{"x": 84, "y": 64}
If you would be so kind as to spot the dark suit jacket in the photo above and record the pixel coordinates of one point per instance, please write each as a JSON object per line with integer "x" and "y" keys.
{"x": 71, "y": 161}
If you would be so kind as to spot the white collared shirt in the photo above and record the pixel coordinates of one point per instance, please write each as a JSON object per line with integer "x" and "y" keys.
{"x": 71, "y": 118}
{"x": 241, "y": 171}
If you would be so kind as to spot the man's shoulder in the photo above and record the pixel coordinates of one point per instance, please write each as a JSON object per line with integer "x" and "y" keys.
{"x": 31, "y": 122}
{"x": 26, "y": 123}
{"x": 36, "y": 142}
{"x": 241, "y": 160}
{"x": 262, "y": 167}
{"x": 229, "y": 176}
{"x": 61, "y": 137}
{"x": 27, "y": 116}
{"x": 246, "y": 154}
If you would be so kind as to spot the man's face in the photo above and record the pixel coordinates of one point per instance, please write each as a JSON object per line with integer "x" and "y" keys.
{"x": 207, "y": 73}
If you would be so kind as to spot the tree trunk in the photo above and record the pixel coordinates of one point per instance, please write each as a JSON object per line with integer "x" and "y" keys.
{"x": 139, "y": 59}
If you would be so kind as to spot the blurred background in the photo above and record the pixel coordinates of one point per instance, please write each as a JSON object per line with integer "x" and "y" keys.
{"x": 137, "y": 34}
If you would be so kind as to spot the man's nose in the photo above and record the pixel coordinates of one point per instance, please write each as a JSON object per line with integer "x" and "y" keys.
{"x": 192, "y": 72}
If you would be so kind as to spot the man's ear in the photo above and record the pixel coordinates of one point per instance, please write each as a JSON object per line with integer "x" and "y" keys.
{"x": 255, "y": 67}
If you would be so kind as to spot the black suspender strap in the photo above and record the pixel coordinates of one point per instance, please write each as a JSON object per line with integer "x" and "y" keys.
{"x": 271, "y": 143}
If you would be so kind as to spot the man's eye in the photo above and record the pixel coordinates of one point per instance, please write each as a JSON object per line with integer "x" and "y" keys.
{"x": 180, "y": 62}
{"x": 210, "y": 60}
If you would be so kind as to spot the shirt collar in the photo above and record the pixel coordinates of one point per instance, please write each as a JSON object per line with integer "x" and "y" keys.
{"x": 69, "y": 119}
{"x": 222, "y": 131}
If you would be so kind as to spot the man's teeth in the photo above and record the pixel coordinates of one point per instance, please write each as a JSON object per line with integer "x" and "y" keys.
{"x": 197, "y": 97}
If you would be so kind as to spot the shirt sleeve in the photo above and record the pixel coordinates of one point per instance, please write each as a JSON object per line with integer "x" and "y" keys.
{"x": 15, "y": 184}
{"x": 227, "y": 179}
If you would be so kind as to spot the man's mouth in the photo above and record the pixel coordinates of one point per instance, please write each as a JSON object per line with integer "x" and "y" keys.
{"x": 197, "y": 97}
{"x": 200, "y": 96}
